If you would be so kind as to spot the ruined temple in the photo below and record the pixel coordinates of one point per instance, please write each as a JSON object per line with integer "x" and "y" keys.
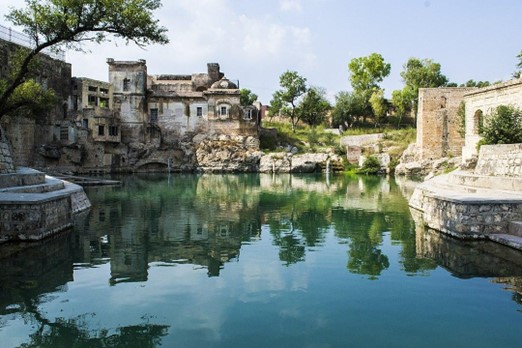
{"x": 133, "y": 122}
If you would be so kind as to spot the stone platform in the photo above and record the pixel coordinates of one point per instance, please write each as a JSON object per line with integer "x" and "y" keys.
{"x": 483, "y": 204}
{"x": 33, "y": 205}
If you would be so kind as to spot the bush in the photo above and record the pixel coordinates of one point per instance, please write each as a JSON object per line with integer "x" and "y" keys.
{"x": 371, "y": 165}
{"x": 502, "y": 126}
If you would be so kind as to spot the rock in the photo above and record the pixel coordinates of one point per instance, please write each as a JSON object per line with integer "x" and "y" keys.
{"x": 308, "y": 162}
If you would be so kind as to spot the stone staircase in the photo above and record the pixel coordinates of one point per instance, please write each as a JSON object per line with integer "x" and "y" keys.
{"x": 471, "y": 206}
{"x": 33, "y": 205}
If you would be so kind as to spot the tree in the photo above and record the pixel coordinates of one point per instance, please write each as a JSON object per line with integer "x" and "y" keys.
{"x": 67, "y": 24}
{"x": 246, "y": 97}
{"x": 417, "y": 74}
{"x": 367, "y": 72}
{"x": 379, "y": 105}
{"x": 502, "y": 126}
{"x": 348, "y": 105}
{"x": 473, "y": 83}
{"x": 314, "y": 106}
{"x": 285, "y": 100}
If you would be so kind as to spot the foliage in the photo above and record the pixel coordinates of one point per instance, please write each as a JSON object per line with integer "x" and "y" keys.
{"x": 284, "y": 101}
{"x": 379, "y": 105}
{"x": 305, "y": 138}
{"x": 461, "y": 119}
{"x": 56, "y": 24}
{"x": 417, "y": 74}
{"x": 473, "y": 83}
{"x": 502, "y": 126}
{"x": 371, "y": 165}
{"x": 348, "y": 106}
{"x": 314, "y": 106}
{"x": 518, "y": 73}
{"x": 367, "y": 72}
{"x": 246, "y": 97}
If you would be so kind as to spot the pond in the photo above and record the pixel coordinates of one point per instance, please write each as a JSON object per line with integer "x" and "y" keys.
{"x": 257, "y": 261}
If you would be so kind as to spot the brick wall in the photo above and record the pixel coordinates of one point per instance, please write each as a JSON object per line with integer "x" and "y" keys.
{"x": 500, "y": 160}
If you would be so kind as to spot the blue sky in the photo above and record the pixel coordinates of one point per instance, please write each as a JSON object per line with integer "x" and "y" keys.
{"x": 256, "y": 40}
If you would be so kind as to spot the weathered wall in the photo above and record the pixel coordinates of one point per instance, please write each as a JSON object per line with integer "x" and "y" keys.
{"x": 437, "y": 123}
{"x": 500, "y": 160}
{"x": 6, "y": 160}
{"x": 481, "y": 102}
{"x": 27, "y": 134}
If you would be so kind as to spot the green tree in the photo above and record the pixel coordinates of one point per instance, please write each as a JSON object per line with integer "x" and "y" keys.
{"x": 473, "y": 83}
{"x": 285, "y": 100}
{"x": 417, "y": 74}
{"x": 246, "y": 97}
{"x": 348, "y": 106}
{"x": 67, "y": 24}
{"x": 367, "y": 72}
{"x": 314, "y": 106}
{"x": 379, "y": 105}
{"x": 502, "y": 126}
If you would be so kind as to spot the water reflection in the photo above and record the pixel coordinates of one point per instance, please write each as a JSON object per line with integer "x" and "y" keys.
{"x": 206, "y": 221}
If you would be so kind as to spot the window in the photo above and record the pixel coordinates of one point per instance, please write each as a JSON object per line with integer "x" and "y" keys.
{"x": 154, "y": 116}
{"x": 126, "y": 84}
{"x": 104, "y": 91}
{"x": 101, "y": 130}
{"x": 247, "y": 114}
{"x": 64, "y": 133}
{"x": 85, "y": 123}
{"x": 113, "y": 131}
{"x": 199, "y": 111}
{"x": 92, "y": 100}
{"x": 223, "y": 111}
{"x": 93, "y": 89}
{"x": 104, "y": 102}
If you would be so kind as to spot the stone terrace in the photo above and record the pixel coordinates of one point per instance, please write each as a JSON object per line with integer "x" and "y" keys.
{"x": 486, "y": 203}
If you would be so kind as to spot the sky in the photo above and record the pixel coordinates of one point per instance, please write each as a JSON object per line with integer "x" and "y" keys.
{"x": 255, "y": 41}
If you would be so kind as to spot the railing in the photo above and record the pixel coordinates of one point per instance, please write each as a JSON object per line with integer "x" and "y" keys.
{"x": 21, "y": 39}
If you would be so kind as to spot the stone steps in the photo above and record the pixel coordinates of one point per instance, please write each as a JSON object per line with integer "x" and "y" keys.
{"x": 507, "y": 239}
{"x": 23, "y": 177}
{"x": 484, "y": 181}
{"x": 515, "y": 228}
{"x": 49, "y": 185}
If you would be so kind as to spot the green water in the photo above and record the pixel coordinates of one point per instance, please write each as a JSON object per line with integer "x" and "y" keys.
{"x": 257, "y": 261}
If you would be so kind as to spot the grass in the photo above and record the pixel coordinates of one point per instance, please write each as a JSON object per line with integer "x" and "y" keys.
{"x": 317, "y": 139}
{"x": 305, "y": 138}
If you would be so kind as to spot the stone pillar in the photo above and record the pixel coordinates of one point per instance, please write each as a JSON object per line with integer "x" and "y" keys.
{"x": 6, "y": 160}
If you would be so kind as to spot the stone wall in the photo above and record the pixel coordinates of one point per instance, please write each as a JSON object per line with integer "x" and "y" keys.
{"x": 6, "y": 161}
{"x": 480, "y": 102}
{"x": 437, "y": 124}
{"x": 500, "y": 160}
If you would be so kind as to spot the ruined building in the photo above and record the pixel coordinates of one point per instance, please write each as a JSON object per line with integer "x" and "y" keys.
{"x": 135, "y": 122}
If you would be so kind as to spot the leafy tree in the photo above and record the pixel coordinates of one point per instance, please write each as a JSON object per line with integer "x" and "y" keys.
{"x": 417, "y": 74}
{"x": 502, "y": 126}
{"x": 367, "y": 72}
{"x": 371, "y": 165}
{"x": 473, "y": 83}
{"x": 246, "y": 97}
{"x": 285, "y": 100}
{"x": 518, "y": 73}
{"x": 379, "y": 105}
{"x": 314, "y": 106}
{"x": 348, "y": 106}
{"x": 59, "y": 24}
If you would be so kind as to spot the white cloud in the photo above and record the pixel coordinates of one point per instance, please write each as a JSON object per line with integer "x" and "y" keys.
{"x": 290, "y": 5}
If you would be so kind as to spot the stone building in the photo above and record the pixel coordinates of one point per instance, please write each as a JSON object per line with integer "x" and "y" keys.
{"x": 439, "y": 128}
{"x": 133, "y": 122}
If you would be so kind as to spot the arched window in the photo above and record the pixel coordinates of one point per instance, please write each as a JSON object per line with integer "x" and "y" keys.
{"x": 477, "y": 122}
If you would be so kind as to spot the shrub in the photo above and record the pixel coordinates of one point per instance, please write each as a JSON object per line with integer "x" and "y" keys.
{"x": 502, "y": 126}
{"x": 371, "y": 165}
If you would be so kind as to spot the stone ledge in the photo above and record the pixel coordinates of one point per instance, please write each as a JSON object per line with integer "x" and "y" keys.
{"x": 485, "y": 181}
{"x": 22, "y": 176}
{"x": 51, "y": 184}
